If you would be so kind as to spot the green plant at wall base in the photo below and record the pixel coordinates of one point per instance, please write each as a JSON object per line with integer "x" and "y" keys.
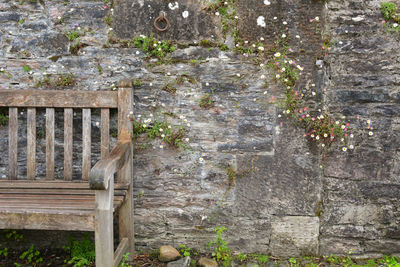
{"x": 221, "y": 252}
{"x": 13, "y": 234}
{"x": 241, "y": 257}
{"x": 185, "y": 250}
{"x": 31, "y": 256}
{"x": 82, "y": 252}
{"x": 124, "y": 260}
{"x": 3, "y": 252}
{"x": 261, "y": 258}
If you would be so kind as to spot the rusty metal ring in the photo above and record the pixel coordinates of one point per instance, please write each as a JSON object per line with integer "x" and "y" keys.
{"x": 161, "y": 17}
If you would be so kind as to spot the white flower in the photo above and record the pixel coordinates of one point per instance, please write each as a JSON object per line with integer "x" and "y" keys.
{"x": 265, "y": 92}
{"x": 283, "y": 69}
{"x": 262, "y": 76}
{"x": 169, "y": 127}
{"x": 312, "y": 136}
{"x": 137, "y": 52}
{"x": 287, "y": 111}
{"x": 151, "y": 84}
{"x": 161, "y": 146}
{"x": 323, "y": 145}
{"x": 313, "y": 85}
{"x": 163, "y": 135}
{"x": 298, "y": 36}
{"x": 246, "y": 42}
{"x": 317, "y": 137}
{"x": 344, "y": 149}
{"x": 161, "y": 130}
{"x": 168, "y": 73}
{"x": 238, "y": 74}
{"x": 217, "y": 13}
{"x": 261, "y": 48}
{"x": 155, "y": 45}
{"x": 313, "y": 93}
{"x": 254, "y": 45}
{"x": 371, "y": 133}
{"x": 275, "y": 18}
{"x": 144, "y": 125}
{"x": 283, "y": 35}
{"x": 351, "y": 146}
{"x": 337, "y": 122}
{"x": 207, "y": 84}
{"x": 2, "y": 69}
{"x": 188, "y": 124}
{"x": 277, "y": 54}
{"x": 187, "y": 139}
{"x": 59, "y": 17}
{"x": 236, "y": 17}
{"x": 395, "y": 25}
{"x": 139, "y": 116}
{"x": 278, "y": 76}
{"x": 261, "y": 39}
{"x": 300, "y": 67}
{"x": 261, "y": 65}
{"x": 368, "y": 121}
{"x": 316, "y": 18}
{"x": 325, "y": 135}
{"x": 201, "y": 159}
{"x": 284, "y": 23}
{"x": 131, "y": 112}
{"x": 351, "y": 135}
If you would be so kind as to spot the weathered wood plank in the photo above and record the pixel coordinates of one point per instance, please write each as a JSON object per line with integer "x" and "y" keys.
{"x": 71, "y": 220}
{"x": 31, "y": 144}
{"x": 68, "y": 133}
{"x": 49, "y": 143}
{"x": 49, "y": 191}
{"x": 121, "y": 250}
{"x": 54, "y": 184}
{"x": 125, "y": 175}
{"x": 58, "y": 99}
{"x": 12, "y": 143}
{"x": 104, "y": 236}
{"x": 86, "y": 143}
{"x": 105, "y": 132}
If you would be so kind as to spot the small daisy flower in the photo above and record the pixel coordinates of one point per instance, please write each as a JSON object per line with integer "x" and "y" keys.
{"x": 325, "y": 135}
{"x": 161, "y": 129}
{"x": 283, "y": 35}
{"x": 351, "y": 135}
{"x": 317, "y": 137}
{"x": 277, "y": 54}
{"x": 187, "y": 139}
{"x": 284, "y": 23}
{"x": 161, "y": 146}
{"x": 217, "y": 13}
{"x": 344, "y": 149}
{"x": 201, "y": 159}
{"x": 238, "y": 74}
{"x": 371, "y": 133}
{"x": 262, "y": 76}
{"x": 351, "y": 147}
{"x": 163, "y": 135}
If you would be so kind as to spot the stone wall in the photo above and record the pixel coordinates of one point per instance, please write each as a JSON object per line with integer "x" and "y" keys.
{"x": 286, "y": 196}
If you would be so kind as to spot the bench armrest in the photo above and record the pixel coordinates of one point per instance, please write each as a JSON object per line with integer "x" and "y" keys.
{"x": 105, "y": 168}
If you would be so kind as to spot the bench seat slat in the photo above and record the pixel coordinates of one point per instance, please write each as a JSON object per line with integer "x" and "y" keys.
{"x": 7, "y": 184}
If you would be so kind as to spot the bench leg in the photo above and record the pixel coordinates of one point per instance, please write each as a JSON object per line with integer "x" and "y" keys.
{"x": 104, "y": 237}
{"x": 126, "y": 213}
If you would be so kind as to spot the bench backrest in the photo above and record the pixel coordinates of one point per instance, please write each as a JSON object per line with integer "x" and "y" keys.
{"x": 67, "y": 100}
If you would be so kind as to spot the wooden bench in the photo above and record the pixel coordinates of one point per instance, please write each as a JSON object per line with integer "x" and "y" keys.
{"x": 87, "y": 204}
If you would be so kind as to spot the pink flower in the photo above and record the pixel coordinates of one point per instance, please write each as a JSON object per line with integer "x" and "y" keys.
{"x": 311, "y": 20}
{"x": 296, "y": 93}
{"x": 358, "y": 116}
{"x": 383, "y": 21}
